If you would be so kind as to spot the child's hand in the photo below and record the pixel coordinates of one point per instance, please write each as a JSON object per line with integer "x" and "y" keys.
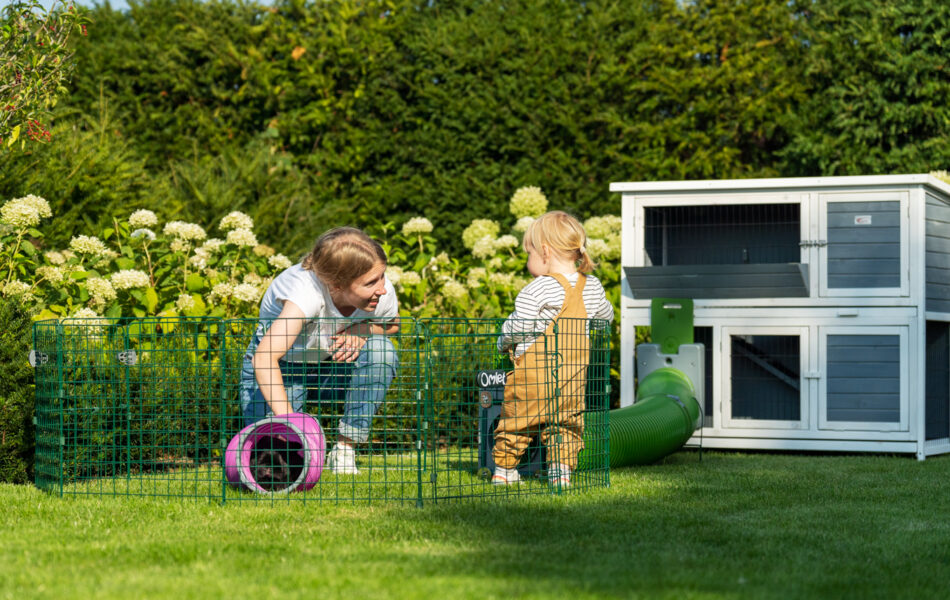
{"x": 345, "y": 347}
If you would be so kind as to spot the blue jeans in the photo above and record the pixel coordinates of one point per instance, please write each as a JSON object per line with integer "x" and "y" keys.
{"x": 361, "y": 384}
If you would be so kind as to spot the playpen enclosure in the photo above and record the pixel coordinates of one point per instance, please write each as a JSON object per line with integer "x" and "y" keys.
{"x": 146, "y": 407}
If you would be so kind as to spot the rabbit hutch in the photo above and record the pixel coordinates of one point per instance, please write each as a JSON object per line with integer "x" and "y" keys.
{"x": 823, "y": 306}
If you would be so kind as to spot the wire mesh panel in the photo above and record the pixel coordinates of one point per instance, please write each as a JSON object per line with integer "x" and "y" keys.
{"x": 181, "y": 407}
{"x": 541, "y": 414}
{"x": 366, "y": 405}
{"x": 130, "y": 407}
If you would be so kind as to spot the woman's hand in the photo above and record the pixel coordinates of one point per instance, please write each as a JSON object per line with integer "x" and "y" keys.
{"x": 346, "y": 347}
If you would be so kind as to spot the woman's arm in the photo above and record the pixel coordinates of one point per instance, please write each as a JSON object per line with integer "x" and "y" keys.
{"x": 273, "y": 346}
{"x": 348, "y": 343}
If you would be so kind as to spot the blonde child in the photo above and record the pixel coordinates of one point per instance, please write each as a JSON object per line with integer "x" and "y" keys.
{"x": 548, "y": 331}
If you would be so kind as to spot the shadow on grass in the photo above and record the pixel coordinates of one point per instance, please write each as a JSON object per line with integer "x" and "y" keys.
{"x": 781, "y": 526}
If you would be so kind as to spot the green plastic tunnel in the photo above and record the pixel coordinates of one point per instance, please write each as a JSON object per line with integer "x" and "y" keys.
{"x": 664, "y": 416}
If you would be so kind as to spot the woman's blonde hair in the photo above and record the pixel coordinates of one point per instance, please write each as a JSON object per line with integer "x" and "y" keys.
{"x": 342, "y": 255}
{"x": 564, "y": 235}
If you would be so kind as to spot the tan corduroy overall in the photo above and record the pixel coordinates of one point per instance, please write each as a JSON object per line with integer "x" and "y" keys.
{"x": 537, "y": 403}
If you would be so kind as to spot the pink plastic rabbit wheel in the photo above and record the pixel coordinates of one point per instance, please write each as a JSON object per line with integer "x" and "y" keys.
{"x": 277, "y": 454}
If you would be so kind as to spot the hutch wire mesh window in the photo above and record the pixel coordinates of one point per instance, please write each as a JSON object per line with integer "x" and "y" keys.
{"x": 168, "y": 407}
{"x": 722, "y": 234}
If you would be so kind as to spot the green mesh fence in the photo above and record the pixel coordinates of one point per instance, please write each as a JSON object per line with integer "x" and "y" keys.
{"x": 171, "y": 407}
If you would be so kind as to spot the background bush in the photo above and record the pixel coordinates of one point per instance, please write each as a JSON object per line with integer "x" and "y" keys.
{"x": 16, "y": 394}
{"x": 311, "y": 114}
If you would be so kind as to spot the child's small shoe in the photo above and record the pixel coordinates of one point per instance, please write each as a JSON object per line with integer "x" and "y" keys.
{"x": 505, "y": 476}
{"x": 341, "y": 460}
{"x": 560, "y": 475}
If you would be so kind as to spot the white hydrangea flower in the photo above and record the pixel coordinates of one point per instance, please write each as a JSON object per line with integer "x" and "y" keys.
{"x": 528, "y": 201}
{"x": 86, "y": 244}
{"x": 19, "y": 215}
{"x": 253, "y": 278}
{"x": 394, "y": 274}
{"x": 198, "y": 261}
{"x": 51, "y": 274}
{"x": 89, "y": 320}
{"x": 16, "y": 288}
{"x": 185, "y": 302}
{"x": 242, "y": 237}
{"x": 128, "y": 279}
{"x": 417, "y": 226}
{"x": 442, "y": 258}
{"x": 484, "y": 248}
{"x": 411, "y": 278}
{"x": 603, "y": 227}
{"x": 263, "y": 250}
{"x": 506, "y": 241}
{"x": 222, "y": 290}
{"x": 246, "y": 292}
{"x": 143, "y": 219}
{"x": 180, "y": 245}
{"x": 454, "y": 290}
{"x": 518, "y": 283}
{"x": 100, "y": 289}
{"x": 55, "y": 258}
{"x": 212, "y": 245}
{"x": 479, "y": 229}
{"x": 597, "y": 247}
{"x": 614, "y": 248}
{"x": 279, "y": 261}
{"x": 185, "y": 231}
{"x": 236, "y": 220}
{"x": 494, "y": 263}
{"x": 23, "y": 212}
{"x": 475, "y": 277}
{"x": 502, "y": 279}
{"x": 523, "y": 223}
{"x": 147, "y": 234}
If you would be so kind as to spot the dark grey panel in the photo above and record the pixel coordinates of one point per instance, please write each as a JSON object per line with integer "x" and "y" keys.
{"x": 879, "y": 220}
{"x": 939, "y": 291}
{"x": 861, "y": 208}
{"x": 854, "y": 393}
{"x": 866, "y": 267}
{"x": 937, "y": 421}
{"x": 938, "y": 258}
{"x": 862, "y": 249}
{"x": 788, "y": 280}
{"x": 938, "y": 305}
{"x": 938, "y": 229}
{"x": 862, "y": 234}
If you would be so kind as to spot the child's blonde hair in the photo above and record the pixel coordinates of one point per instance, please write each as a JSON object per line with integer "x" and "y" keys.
{"x": 342, "y": 255}
{"x": 563, "y": 234}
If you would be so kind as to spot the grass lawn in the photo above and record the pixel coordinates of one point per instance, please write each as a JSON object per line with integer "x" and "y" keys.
{"x": 729, "y": 526}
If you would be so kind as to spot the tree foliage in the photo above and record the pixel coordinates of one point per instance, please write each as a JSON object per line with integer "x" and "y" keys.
{"x": 311, "y": 114}
{"x": 35, "y": 66}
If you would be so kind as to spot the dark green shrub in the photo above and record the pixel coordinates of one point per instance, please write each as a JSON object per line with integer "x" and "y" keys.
{"x": 16, "y": 395}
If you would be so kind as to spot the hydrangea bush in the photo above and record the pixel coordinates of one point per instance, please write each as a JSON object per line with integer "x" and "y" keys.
{"x": 141, "y": 267}
{"x": 135, "y": 268}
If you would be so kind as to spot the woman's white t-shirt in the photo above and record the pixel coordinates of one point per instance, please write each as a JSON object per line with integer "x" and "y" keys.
{"x": 304, "y": 289}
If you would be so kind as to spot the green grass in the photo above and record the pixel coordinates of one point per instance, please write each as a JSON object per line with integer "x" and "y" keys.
{"x": 730, "y": 526}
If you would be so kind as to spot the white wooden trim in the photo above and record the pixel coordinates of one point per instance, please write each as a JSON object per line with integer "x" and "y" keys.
{"x": 824, "y": 445}
{"x": 920, "y": 179}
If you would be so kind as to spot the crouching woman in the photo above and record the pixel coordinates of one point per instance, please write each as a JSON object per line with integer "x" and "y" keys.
{"x": 321, "y": 337}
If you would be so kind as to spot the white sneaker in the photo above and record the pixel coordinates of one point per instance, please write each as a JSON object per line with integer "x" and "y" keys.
{"x": 559, "y": 474}
{"x": 505, "y": 476}
{"x": 341, "y": 460}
